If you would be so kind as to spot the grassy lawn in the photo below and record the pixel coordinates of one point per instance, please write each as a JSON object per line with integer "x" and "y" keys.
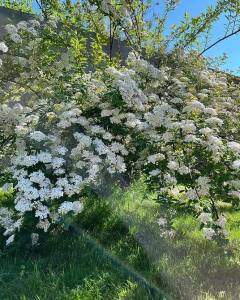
{"x": 66, "y": 268}
{"x": 116, "y": 252}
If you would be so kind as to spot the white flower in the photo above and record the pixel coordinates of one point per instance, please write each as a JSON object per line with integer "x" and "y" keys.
{"x": 107, "y": 136}
{"x": 43, "y": 224}
{"x": 168, "y": 136}
{"x": 23, "y": 205}
{"x": 191, "y": 138}
{"x": 205, "y": 217}
{"x": 208, "y": 233}
{"x": 194, "y": 105}
{"x": 236, "y": 164}
{"x": 52, "y": 21}
{"x": 21, "y": 130}
{"x": 105, "y": 6}
{"x": 59, "y": 171}
{"x": 10, "y": 29}
{"x": 57, "y": 162}
{"x": 44, "y": 192}
{"x": 170, "y": 180}
{"x": 176, "y": 100}
{"x": 6, "y": 217}
{"x": 183, "y": 170}
{"x": 64, "y": 124}
{"x": 155, "y": 158}
{"x": 203, "y": 183}
{"x": 106, "y": 113}
{"x": 65, "y": 207}
{"x": 38, "y": 136}
{"x": 25, "y": 160}
{"x": 77, "y": 207}
{"x": 33, "y": 22}
{"x": 214, "y": 143}
{"x": 56, "y": 193}
{"x": 68, "y": 206}
{"x": 32, "y": 31}
{"x": 42, "y": 211}
{"x": 7, "y": 186}
{"x": 206, "y": 131}
{"x": 173, "y": 165}
{"x": 62, "y": 182}
{"x": 83, "y": 139}
{"x": 235, "y": 194}
{"x": 235, "y": 147}
{"x": 188, "y": 126}
{"x": 233, "y": 183}
{"x": 34, "y": 238}
{"x": 39, "y": 177}
{"x": 61, "y": 150}
{"x": 15, "y": 37}
{"x": 10, "y": 239}
{"x": 44, "y": 157}
{"x": 3, "y": 47}
{"x": 221, "y": 221}
{"x": 210, "y": 111}
{"x": 162, "y": 221}
{"x": 31, "y": 193}
{"x": 191, "y": 194}
{"x": 22, "y": 25}
{"x": 214, "y": 121}
{"x": 166, "y": 233}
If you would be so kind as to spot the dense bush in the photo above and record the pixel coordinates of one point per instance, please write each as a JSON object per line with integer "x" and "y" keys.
{"x": 70, "y": 129}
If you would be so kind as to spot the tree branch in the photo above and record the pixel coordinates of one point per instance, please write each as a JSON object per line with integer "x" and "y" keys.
{"x": 220, "y": 40}
{"x": 39, "y": 4}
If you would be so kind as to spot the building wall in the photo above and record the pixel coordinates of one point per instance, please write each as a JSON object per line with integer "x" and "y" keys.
{"x": 10, "y": 16}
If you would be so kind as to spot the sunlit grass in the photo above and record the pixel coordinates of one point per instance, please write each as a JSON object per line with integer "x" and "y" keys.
{"x": 71, "y": 266}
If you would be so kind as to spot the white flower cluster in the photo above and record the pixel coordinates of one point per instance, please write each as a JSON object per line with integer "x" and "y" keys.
{"x": 48, "y": 171}
{"x": 172, "y": 124}
{"x": 207, "y": 220}
{"x": 165, "y": 230}
{"x": 13, "y": 33}
{"x": 3, "y": 47}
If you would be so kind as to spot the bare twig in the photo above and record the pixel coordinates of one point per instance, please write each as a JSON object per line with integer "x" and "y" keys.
{"x": 39, "y": 4}
{"x": 220, "y": 40}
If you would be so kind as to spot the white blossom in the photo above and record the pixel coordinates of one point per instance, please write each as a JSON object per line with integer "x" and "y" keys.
{"x": 34, "y": 238}
{"x": 162, "y": 222}
{"x": 3, "y": 47}
{"x": 205, "y": 217}
{"x": 38, "y": 136}
{"x": 236, "y": 164}
{"x": 208, "y": 233}
{"x": 234, "y": 146}
{"x": 10, "y": 239}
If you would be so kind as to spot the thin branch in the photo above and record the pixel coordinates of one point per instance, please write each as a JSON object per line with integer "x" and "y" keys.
{"x": 22, "y": 85}
{"x": 220, "y": 40}
{"x": 39, "y": 4}
{"x": 136, "y": 24}
{"x": 110, "y": 39}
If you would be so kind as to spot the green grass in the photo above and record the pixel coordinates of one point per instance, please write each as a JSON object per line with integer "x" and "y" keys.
{"x": 70, "y": 268}
{"x": 101, "y": 261}
{"x": 117, "y": 253}
{"x": 188, "y": 266}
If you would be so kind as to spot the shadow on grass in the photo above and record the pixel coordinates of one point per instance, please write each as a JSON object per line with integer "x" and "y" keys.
{"x": 70, "y": 266}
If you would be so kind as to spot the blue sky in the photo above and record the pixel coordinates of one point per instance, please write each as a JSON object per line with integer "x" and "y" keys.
{"x": 230, "y": 46}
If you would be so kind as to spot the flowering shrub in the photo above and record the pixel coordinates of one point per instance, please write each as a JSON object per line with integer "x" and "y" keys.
{"x": 51, "y": 167}
{"x": 169, "y": 123}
